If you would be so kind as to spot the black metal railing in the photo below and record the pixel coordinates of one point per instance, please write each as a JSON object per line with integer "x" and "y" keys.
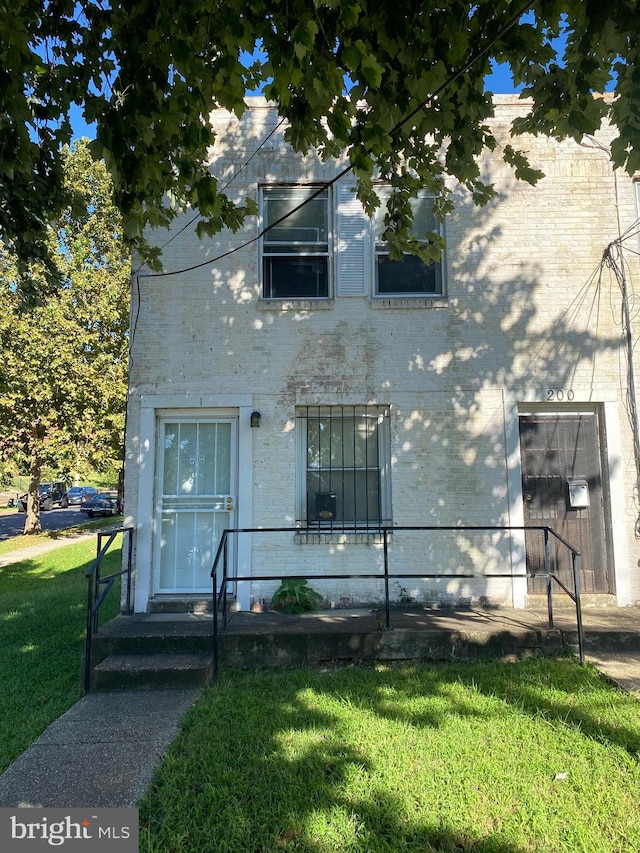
{"x": 220, "y": 591}
{"x": 99, "y": 586}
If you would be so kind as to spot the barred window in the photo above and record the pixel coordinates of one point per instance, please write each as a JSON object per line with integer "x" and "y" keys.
{"x": 344, "y": 465}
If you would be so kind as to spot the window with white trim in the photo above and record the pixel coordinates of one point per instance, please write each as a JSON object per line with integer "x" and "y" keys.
{"x": 410, "y": 276}
{"x": 344, "y": 466}
{"x": 295, "y": 246}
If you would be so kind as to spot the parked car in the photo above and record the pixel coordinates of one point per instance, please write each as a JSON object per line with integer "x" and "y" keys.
{"x": 104, "y": 503}
{"x": 77, "y": 494}
{"x": 50, "y": 494}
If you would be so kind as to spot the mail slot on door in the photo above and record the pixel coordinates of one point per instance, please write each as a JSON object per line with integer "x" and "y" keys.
{"x": 578, "y": 494}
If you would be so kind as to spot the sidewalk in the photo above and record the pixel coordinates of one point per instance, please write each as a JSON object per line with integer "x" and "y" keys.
{"x": 102, "y": 753}
{"x": 40, "y": 548}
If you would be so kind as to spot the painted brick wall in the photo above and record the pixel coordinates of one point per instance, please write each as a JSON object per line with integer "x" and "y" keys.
{"x": 526, "y": 313}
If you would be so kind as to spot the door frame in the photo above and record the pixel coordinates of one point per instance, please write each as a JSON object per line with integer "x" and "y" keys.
{"x": 198, "y": 419}
{"x": 141, "y": 457}
{"x": 574, "y": 434}
{"x": 613, "y": 489}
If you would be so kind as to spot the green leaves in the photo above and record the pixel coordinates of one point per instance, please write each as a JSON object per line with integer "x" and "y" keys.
{"x": 63, "y": 374}
{"x": 303, "y": 38}
{"x": 521, "y": 166}
{"x": 149, "y": 74}
{"x": 294, "y": 595}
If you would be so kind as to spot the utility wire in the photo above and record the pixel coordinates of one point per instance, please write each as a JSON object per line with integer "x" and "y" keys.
{"x": 326, "y": 185}
{"x": 224, "y": 188}
{"x": 615, "y": 261}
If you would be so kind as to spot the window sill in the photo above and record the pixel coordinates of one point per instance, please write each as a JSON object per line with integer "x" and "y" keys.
{"x": 322, "y": 304}
{"x": 342, "y": 537}
{"x": 384, "y": 302}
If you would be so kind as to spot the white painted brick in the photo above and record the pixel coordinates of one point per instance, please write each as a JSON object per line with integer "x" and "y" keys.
{"x": 525, "y": 313}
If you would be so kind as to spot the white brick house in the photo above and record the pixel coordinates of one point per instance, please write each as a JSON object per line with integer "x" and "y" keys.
{"x": 474, "y": 392}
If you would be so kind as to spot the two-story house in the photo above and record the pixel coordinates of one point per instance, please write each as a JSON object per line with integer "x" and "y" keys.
{"x": 291, "y": 375}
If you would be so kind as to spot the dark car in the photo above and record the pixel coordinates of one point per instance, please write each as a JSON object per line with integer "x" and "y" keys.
{"x": 104, "y": 503}
{"x": 77, "y": 494}
{"x": 50, "y": 494}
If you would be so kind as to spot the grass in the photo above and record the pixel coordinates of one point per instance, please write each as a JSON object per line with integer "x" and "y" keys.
{"x": 540, "y": 755}
{"x": 42, "y": 626}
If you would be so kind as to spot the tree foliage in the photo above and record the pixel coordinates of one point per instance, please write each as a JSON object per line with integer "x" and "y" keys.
{"x": 395, "y": 86}
{"x": 64, "y": 367}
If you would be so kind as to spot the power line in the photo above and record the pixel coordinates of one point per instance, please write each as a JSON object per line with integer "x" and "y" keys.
{"x": 616, "y": 263}
{"x": 224, "y": 188}
{"x": 326, "y": 185}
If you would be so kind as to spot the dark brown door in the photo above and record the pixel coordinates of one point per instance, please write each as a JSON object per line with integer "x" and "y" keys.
{"x": 557, "y": 450}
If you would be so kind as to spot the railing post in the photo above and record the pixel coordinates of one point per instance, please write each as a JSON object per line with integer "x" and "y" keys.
{"x": 95, "y": 597}
{"x": 547, "y": 565}
{"x": 88, "y": 635}
{"x": 576, "y": 589}
{"x": 387, "y": 613}
{"x": 215, "y": 623}
{"x": 225, "y": 554}
{"x": 129, "y": 567}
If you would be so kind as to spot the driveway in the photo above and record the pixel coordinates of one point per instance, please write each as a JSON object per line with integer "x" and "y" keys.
{"x": 12, "y": 524}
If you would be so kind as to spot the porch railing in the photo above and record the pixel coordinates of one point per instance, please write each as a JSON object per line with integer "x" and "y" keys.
{"x": 220, "y": 591}
{"x": 99, "y": 586}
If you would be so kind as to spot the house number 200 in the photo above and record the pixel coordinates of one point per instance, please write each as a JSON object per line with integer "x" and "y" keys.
{"x": 559, "y": 394}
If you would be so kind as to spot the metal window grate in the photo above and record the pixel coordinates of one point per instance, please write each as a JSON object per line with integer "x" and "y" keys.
{"x": 346, "y": 460}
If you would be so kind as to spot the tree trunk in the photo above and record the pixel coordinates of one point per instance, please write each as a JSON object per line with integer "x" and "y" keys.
{"x": 32, "y": 522}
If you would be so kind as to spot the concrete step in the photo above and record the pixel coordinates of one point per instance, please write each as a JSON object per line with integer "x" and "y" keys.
{"x": 160, "y": 670}
{"x": 169, "y": 605}
{"x": 605, "y": 641}
{"x": 156, "y": 634}
{"x": 165, "y": 649}
{"x": 303, "y": 649}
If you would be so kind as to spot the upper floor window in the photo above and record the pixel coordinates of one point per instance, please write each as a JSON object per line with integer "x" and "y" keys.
{"x": 295, "y": 247}
{"x": 410, "y": 276}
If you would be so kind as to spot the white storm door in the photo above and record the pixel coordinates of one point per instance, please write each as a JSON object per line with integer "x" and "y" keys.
{"x": 195, "y": 500}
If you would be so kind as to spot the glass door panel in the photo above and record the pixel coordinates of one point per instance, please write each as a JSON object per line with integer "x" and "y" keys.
{"x": 195, "y": 501}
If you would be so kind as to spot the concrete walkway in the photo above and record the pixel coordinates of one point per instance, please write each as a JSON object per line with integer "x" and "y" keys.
{"x": 29, "y": 552}
{"x": 102, "y": 753}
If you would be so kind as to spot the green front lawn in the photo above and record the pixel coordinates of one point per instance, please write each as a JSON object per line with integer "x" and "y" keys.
{"x": 540, "y": 756}
{"x": 489, "y": 757}
{"x": 42, "y": 626}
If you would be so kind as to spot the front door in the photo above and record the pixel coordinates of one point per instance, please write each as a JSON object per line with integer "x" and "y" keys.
{"x": 195, "y": 500}
{"x": 558, "y": 450}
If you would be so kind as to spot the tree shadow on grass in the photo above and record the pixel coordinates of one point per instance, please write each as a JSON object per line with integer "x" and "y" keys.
{"x": 269, "y": 762}
{"x": 42, "y": 627}
{"x": 557, "y": 690}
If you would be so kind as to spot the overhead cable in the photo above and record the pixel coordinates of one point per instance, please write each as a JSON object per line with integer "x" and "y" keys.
{"x": 327, "y": 184}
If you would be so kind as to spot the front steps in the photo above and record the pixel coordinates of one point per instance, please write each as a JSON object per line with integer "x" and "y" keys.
{"x": 153, "y": 650}
{"x": 176, "y": 649}
{"x": 157, "y": 670}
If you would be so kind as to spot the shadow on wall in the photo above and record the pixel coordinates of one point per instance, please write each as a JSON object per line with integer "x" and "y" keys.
{"x": 523, "y": 316}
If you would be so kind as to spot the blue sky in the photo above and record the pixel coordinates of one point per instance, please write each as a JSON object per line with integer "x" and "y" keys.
{"x": 500, "y": 82}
